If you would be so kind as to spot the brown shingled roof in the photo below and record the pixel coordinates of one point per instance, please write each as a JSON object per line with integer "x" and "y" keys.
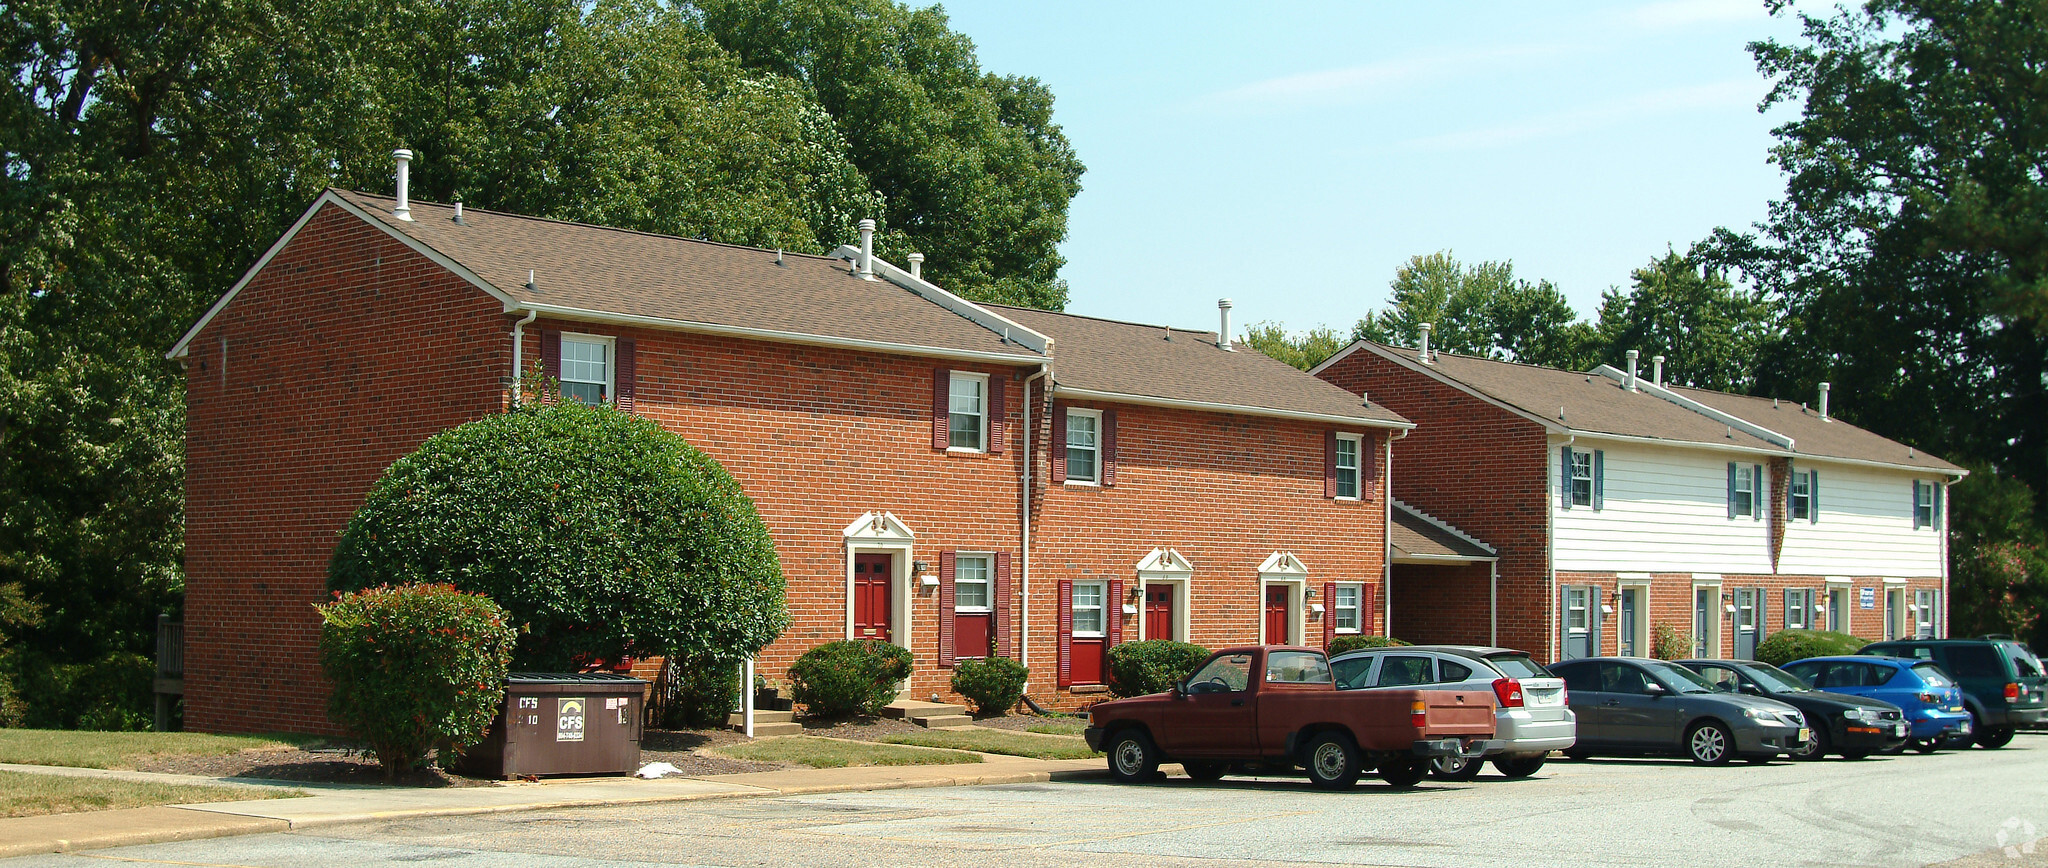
{"x": 1812, "y": 435}
{"x": 1415, "y": 536}
{"x": 1181, "y": 365}
{"x": 623, "y": 272}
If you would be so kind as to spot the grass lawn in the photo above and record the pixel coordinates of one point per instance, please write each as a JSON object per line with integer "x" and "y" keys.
{"x": 117, "y": 750}
{"x": 1000, "y": 741}
{"x": 27, "y": 795}
{"x": 825, "y": 753}
{"x": 1059, "y": 727}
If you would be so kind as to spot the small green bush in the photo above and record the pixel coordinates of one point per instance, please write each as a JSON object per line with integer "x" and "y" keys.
{"x": 993, "y": 684}
{"x": 697, "y": 693}
{"x": 414, "y": 665}
{"x": 1352, "y": 643}
{"x": 1786, "y": 646}
{"x": 1669, "y": 643}
{"x": 1151, "y": 666}
{"x": 848, "y": 677}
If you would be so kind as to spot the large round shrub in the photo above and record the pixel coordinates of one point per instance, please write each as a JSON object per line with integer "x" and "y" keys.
{"x": 1151, "y": 666}
{"x": 848, "y": 677}
{"x": 993, "y": 684}
{"x": 696, "y": 693}
{"x": 1342, "y": 644}
{"x": 602, "y": 533}
{"x": 1786, "y": 646}
{"x": 414, "y": 665}
{"x": 1669, "y": 643}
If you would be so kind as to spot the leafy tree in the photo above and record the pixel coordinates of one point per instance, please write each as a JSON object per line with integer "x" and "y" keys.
{"x": 1999, "y": 579}
{"x": 604, "y": 534}
{"x": 974, "y": 172}
{"x": 1710, "y": 334}
{"x": 1303, "y": 351}
{"x": 1481, "y": 310}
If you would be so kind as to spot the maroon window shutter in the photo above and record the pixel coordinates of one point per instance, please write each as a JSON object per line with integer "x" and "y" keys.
{"x": 1329, "y": 463}
{"x": 1066, "y": 667}
{"x": 1002, "y": 604}
{"x": 551, "y": 364}
{"x": 946, "y": 609}
{"x": 624, "y": 376}
{"x": 998, "y": 413}
{"x": 1329, "y": 613}
{"x": 942, "y": 384}
{"x": 1371, "y": 462}
{"x": 1108, "y": 442}
{"x": 1058, "y": 446}
{"x": 1367, "y": 604}
{"x": 1113, "y": 612}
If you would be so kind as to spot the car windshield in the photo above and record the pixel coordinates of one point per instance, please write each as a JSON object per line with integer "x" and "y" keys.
{"x": 1932, "y": 674}
{"x": 1678, "y": 678}
{"x": 1775, "y": 680}
{"x": 1517, "y": 666}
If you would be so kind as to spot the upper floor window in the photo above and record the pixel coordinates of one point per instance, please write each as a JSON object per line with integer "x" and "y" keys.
{"x": 1742, "y": 486}
{"x": 1582, "y": 479}
{"x": 1089, "y": 618}
{"x": 1801, "y": 500}
{"x": 586, "y": 368}
{"x": 1344, "y": 607}
{"x": 967, "y": 412}
{"x": 1347, "y": 461}
{"x": 970, "y": 584}
{"x": 1084, "y": 446}
{"x": 1926, "y": 504}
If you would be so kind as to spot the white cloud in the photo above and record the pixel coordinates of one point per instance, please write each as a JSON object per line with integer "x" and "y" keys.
{"x": 1671, "y": 14}
{"x": 1356, "y": 83}
{"x": 1739, "y": 93}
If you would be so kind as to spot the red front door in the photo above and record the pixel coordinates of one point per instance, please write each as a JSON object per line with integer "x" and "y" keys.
{"x": 872, "y": 599}
{"x": 1158, "y": 611}
{"x": 1277, "y": 632}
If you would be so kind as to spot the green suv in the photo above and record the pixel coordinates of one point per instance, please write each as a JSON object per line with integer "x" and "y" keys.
{"x": 2003, "y": 685}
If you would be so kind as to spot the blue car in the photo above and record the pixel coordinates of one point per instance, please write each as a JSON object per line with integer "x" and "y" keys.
{"x": 1932, "y": 701}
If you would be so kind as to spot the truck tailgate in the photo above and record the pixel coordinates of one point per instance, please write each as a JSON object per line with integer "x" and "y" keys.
{"x": 1458, "y": 713}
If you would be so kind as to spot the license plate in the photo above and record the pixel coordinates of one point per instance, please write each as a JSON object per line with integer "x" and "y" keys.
{"x": 1804, "y": 734}
{"x": 1898, "y": 729}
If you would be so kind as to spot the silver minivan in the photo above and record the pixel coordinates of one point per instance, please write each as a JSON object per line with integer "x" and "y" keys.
{"x": 1532, "y": 718}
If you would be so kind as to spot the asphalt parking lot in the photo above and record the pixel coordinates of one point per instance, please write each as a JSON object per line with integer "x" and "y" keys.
{"x": 1972, "y": 807}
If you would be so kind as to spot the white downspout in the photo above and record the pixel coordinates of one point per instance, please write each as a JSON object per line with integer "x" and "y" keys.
{"x": 1024, "y": 508}
{"x": 1493, "y": 604}
{"x": 1387, "y": 539}
{"x": 519, "y": 350}
{"x": 1556, "y": 624}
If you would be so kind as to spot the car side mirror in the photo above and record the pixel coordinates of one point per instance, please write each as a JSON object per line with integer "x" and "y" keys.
{"x": 1179, "y": 690}
{"x": 1752, "y": 690}
{"x": 1656, "y": 689}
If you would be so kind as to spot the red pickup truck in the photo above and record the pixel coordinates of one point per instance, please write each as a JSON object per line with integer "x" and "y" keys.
{"x": 1277, "y": 706}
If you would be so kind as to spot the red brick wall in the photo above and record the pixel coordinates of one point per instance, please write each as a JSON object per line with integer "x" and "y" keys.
{"x": 1441, "y": 604}
{"x": 1224, "y": 491}
{"x": 1480, "y": 468}
{"x": 342, "y": 355}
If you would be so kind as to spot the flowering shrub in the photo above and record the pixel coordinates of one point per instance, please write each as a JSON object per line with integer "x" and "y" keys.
{"x": 414, "y": 665}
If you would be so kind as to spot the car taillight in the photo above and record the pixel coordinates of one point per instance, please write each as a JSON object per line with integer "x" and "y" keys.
{"x": 1930, "y": 698}
{"x": 1418, "y": 714}
{"x": 1509, "y": 692}
{"x": 1564, "y": 696}
{"x": 2012, "y": 691}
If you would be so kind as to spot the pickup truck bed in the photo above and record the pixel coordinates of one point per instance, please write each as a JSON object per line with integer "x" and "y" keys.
{"x": 1276, "y": 706}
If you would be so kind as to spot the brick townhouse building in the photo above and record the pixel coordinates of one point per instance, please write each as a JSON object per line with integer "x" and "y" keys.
{"x": 959, "y": 479}
{"x": 1617, "y": 505}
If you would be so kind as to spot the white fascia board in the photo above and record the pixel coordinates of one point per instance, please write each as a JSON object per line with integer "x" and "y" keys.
{"x": 780, "y": 337}
{"x": 1679, "y": 444}
{"x": 1722, "y": 416}
{"x": 1238, "y": 409}
{"x": 1442, "y": 525}
{"x": 1441, "y": 559}
{"x": 1548, "y": 424}
{"x": 1915, "y": 469}
{"x": 981, "y": 316}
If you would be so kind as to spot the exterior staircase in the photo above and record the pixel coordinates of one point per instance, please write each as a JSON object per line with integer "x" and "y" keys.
{"x": 930, "y": 715}
{"x": 767, "y": 723}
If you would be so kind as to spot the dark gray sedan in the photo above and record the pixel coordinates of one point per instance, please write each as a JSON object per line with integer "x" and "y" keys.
{"x": 1634, "y": 705}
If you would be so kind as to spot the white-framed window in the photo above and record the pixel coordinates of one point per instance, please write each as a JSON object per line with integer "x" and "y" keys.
{"x": 971, "y": 583}
{"x": 1801, "y": 505}
{"x": 587, "y": 368}
{"x": 967, "y": 412}
{"x": 1090, "y": 598}
{"x": 1347, "y": 460}
{"x": 1926, "y": 508}
{"x": 1799, "y": 608}
{"x": 1742, "y": 491}
{"x": 1582, "y": 479}
{"x": 1577, "y": 611}
{"x": 1923, "y": 615}
{"x": 1346, "y": 606}
{"x": 1084, "y": 446}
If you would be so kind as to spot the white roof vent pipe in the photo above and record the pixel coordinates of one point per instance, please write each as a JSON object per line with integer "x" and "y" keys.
{"x": 1657, "y": 371}
{"x": 867, "y": 250}
{"x": 916, "y": 265}
{"x": 1425, "y": 341}
{"x": 403, "y": 210}
{"x": 1223, "y": 331}
{"x": 1823, "y": 402}
{"x": 1632, "y": 354}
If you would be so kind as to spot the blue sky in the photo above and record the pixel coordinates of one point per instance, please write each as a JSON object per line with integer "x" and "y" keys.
{"x": 1291, "y": 155}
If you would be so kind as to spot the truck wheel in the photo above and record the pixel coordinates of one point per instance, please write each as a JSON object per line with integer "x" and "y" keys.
{"x": 1992, "y": 738}
{"x": 1518, "y": 768}
{"x": 1332, "y": 761}
{"x": 1403, "y": 773}
{"x": 1455, "y": 768}
{"x": 1205, "y": 771}
{"x": 1133, "y": 759}
{"x": 1709, "y": 744}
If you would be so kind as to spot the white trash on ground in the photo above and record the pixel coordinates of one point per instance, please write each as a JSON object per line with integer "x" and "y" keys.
{"x": 651, "y": 771}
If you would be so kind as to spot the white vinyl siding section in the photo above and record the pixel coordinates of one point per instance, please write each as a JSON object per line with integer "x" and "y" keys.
{"x": 1865, "y": 528}
{"x": 1662, "y": 510}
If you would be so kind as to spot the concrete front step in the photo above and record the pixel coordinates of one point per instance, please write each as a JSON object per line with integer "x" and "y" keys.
{"x": 737, "y": 719}
{"x": 942, "y": 720}
{"x": 763, "y": 730}
{"x": 912, "y": 709}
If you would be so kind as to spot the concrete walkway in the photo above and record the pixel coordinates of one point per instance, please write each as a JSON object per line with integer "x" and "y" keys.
{"x": 332, "y": 804}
